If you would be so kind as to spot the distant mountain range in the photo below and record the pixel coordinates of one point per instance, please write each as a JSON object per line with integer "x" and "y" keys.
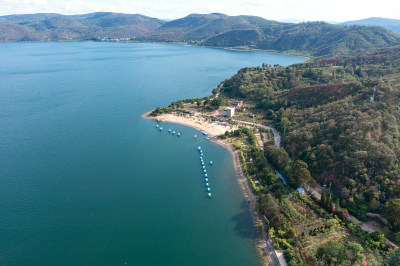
{"x": 389, "y": 24}
{"x": 218, "y": 30}
{"x": 56, "y": 27}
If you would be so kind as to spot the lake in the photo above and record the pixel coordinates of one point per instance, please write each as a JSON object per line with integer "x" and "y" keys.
{"x": 85, "y": 180}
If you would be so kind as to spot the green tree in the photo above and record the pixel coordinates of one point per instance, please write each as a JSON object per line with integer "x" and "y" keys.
{"x": 323, "y": 197}
{"x": 394, "y": 259}
{"x": 299, "y": 173}
{"x": 332, "y": 253}
{"x": 329, "y": 202}
{"x": 285, "y": 122}
{"x": 216, "y": 103}
{"x": 354, "y": 252}
{"x": 337, "y": 205}
{"x": 392, "y": 211}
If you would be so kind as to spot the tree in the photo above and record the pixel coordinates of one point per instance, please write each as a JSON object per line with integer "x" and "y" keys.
{"x": 337, "y": 205}
{"x": 332, "y": 252}
{"x": 329, "y": 202}
{"x": 217, "y": 102}
{"x": 394, "y": 259}
{"x": 392, "y": 211}
{"x": 323, "y": 197}
{"x": 299, "y": 173}
{"x": 285, "y": 122}
{"x": 354, "y": 252}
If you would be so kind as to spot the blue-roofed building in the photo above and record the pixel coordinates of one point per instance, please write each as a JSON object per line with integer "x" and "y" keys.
{"x": 300, "y": 190}
{"x": 283, "y": 179}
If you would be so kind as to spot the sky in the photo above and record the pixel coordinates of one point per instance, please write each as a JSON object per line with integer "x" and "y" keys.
{"x": 307, "y": 10}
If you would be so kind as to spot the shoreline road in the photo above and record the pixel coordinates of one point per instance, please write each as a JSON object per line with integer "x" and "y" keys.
{"x": 277, "y": 135}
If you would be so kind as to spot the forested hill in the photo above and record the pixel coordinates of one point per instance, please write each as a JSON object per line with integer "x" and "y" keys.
{"x": 56, "y": 27}
{"x": 342, "y": 117}
{"x": 218, "y": 30}
{"x": 389, "y": 24}
{"x": 316, "y": 38}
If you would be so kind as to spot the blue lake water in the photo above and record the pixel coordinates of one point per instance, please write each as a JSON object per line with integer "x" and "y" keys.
{"x": 85, "y": 180}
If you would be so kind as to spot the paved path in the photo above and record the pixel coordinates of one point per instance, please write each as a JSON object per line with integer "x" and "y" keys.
{"x": 277, "y": 135}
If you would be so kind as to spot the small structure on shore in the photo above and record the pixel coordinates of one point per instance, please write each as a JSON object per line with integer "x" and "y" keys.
{"x": 283, "y": 179}
{"x": 229, "y": 112}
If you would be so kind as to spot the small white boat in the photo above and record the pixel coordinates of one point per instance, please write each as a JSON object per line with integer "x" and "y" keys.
{"x": 179, "y": 133}
{"x": 211, "y": 162}
{"x": 157, "y": 126}
{"x": 207, "y": 180}
{"x": 209, "y": 195}
{"x": 160, "y": 128}
{"x": 195, "y": 136}
{"x": 169, "y": 130}
{"x": 198, "y": 148}
{"x": 208, "y": 189}
{"x": 207, "y": 185}
{"x": 173, "y": 132}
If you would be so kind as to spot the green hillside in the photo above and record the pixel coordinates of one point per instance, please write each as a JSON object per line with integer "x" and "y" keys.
{"x": 341, "y": 116}
{"x": 314, "y": 38}
{"x": 55, "y": 27}
{"x": 216, "y": 30}
{"x": 389, "y": 24}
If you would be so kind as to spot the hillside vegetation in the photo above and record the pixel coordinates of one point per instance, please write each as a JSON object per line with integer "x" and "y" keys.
{"x": 316, "y": 38}
{"x": 342, "y": 117}
{"x": 56, "y": 27}
{"x": 389, "y": 24}
{"x": 217, "y": 30}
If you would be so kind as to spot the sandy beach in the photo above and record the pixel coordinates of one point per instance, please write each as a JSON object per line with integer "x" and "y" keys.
{"x": 214, "y": 129}
{"x": 198, "y": 122}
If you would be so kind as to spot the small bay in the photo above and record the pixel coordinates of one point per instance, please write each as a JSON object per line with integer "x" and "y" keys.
{"x": 85, "y": 180}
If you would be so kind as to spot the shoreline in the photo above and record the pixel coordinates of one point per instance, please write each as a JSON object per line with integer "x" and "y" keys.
{"x": 248, "y": 194}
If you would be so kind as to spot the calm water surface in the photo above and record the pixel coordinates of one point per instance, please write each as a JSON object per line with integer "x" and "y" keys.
{"x": 85, "y": 180}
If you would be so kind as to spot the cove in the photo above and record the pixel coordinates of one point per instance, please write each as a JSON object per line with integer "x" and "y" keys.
{"x": 85, "y": 180}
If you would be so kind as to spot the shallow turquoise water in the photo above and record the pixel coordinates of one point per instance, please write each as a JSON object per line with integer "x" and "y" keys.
{"x": 85, "y": 180}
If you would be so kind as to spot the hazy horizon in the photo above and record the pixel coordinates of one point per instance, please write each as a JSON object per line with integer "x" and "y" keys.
{"x": 285, "y": 20}
{"x": 307, "y": 10}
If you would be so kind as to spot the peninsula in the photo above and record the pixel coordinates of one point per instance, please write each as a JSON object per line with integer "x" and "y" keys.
{"x": 331, "y": 187}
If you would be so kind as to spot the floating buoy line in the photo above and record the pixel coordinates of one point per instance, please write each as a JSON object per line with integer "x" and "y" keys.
{"x": 173, "y": 132}
{"x": 205, "y": 171}
{"x": 203, "y": 164}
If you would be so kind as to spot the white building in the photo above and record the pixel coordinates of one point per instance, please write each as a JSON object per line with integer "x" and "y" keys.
{"x": 229, "y": 112}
